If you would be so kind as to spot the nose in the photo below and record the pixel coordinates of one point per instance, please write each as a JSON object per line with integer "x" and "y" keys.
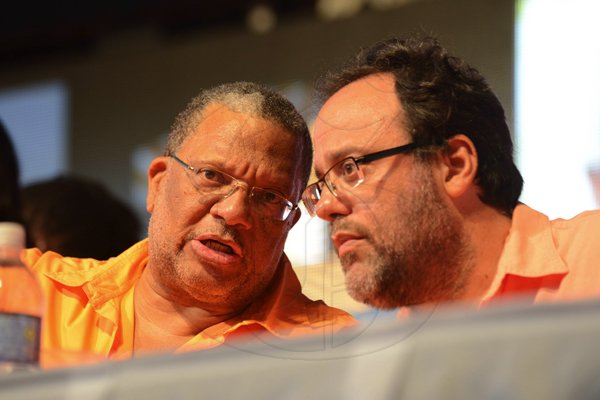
{"x": 329, "y": 206}
{"x": 234, "y": 208}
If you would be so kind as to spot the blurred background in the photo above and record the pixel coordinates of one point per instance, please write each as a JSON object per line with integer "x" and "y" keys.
{"x": 92, "y": 87}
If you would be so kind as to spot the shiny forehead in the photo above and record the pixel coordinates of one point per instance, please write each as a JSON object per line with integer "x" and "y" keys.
{"x": 247, "y": 147}
{"x": 356, "y": 118}
{"x": 225, "y": 127}
{"x": 362, "y": 102}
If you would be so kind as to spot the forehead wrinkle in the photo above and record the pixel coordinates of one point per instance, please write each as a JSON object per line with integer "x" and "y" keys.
{"x": 371, "y": 131}
{"x": 363, "y": 103}
{"x": 275, "y": 154}
{"x": 339, "y": 120}
{"x": 350, "y": 107}
{"x": 369, "y": 109}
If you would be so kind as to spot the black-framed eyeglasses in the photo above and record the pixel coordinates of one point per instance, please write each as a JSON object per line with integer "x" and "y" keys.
{"x": 212, "y": 182}
{"x": 346, "y": 174}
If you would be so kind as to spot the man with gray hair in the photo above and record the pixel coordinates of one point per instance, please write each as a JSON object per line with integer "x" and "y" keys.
{"x": 222, "y": 199}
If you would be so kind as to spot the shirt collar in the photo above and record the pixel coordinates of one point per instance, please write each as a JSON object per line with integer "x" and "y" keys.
{"x": 529, "y": 250}
{"x": 104, "y": 282}
{"x": 280, "y": 309}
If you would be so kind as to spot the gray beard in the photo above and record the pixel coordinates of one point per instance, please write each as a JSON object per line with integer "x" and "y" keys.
{"x": 165, "y": 259}
{"x": 430, "y": 261}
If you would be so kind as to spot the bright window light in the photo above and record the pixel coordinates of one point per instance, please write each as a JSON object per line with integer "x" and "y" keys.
{"x": 558, "y": 104}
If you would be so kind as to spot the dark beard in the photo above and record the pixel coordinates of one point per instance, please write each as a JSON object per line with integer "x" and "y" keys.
{"x": 429, "y": 261}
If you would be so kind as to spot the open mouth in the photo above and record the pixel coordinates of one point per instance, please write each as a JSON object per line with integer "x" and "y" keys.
{"x": 217, "y": 246}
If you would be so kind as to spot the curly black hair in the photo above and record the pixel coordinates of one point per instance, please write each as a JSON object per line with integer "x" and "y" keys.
{"x": 442, "y": 96}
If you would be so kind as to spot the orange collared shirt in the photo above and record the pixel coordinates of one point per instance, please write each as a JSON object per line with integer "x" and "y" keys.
{"x": 89, "y": 308}
{"x": 543, "y": 261}
{"x": 547, "y": 260}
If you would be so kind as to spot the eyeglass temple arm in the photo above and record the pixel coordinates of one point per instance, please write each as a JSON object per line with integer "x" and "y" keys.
{"x": 180, "y": 161}
{"x": 389, "y": 152}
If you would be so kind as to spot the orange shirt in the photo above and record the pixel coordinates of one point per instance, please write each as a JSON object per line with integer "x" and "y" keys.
{"x": 543, "y": 261}
{"x": 89, "y": 308}
{"x": 547, "y": 260}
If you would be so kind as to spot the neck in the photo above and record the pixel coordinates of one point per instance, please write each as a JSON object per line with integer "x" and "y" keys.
{"x": 488, "y": 229}
{"x": 164, "y": 323}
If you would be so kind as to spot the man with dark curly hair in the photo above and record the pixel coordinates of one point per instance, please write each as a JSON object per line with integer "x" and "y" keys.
{"x": 417, "y": 179}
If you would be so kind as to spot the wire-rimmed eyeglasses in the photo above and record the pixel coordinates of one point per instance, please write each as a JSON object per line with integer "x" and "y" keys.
{"x": 346, "y": 174}
{"x": 212, "y": 182}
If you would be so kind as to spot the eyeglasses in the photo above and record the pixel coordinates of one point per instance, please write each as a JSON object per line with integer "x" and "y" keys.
{"x": 346, "y": 174}
{"x": 212, "y": 182}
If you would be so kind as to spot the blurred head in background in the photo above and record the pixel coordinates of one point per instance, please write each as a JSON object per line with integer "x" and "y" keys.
{"x": 78, "y": 217}
{"x": 9, "y": 179}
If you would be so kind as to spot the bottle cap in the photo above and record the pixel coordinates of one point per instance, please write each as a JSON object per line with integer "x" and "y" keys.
{"x": 12, "y": 234}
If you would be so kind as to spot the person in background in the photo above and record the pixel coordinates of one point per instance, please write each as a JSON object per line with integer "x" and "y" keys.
{"x": 416, "y": 177}
{"x": 78, "y": 217}
{"x": 10, "y": 197}
{"x": 222, "y": 200}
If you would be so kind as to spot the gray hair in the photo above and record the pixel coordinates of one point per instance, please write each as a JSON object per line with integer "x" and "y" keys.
{"x": 250, "y": 98}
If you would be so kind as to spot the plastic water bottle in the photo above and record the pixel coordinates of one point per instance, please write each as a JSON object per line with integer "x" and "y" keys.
{"x": 21, "y": 304}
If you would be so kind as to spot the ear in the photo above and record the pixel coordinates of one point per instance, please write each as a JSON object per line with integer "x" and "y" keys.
{"x": 156, "y": 173}
{"x": 460, "y": 165}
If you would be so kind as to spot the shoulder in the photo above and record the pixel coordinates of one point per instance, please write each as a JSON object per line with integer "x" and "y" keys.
{"x": 50, "y": 261}
{"x": 586, "y": 219}
{"x": 585, "y": 224}
{"x": 584, "y": 227}
{"x": 60, "y": 267}
{"x": 577, "y": 241}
